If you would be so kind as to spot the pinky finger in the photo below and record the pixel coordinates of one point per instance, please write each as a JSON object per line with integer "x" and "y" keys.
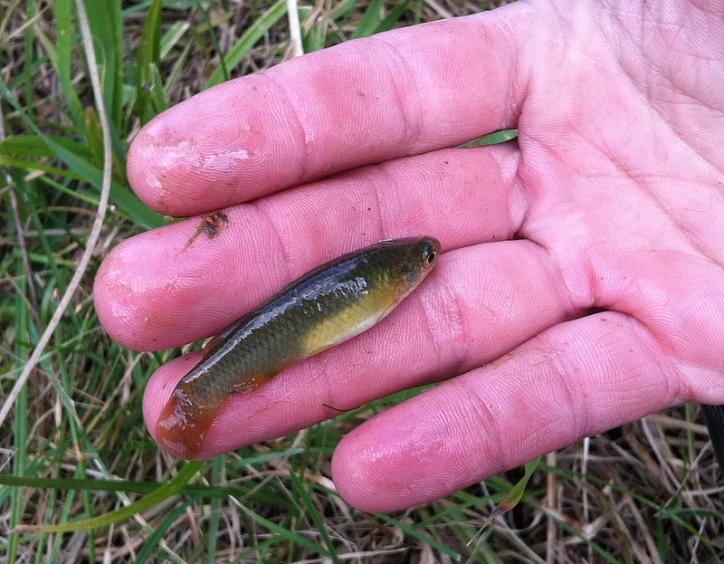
{"x": 576, "y": 379}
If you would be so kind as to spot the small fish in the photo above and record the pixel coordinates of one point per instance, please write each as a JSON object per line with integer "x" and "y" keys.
{"x": 323, "y": 308}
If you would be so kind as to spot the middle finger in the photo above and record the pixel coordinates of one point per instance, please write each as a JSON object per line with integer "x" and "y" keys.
{"x": 175, "y": 285}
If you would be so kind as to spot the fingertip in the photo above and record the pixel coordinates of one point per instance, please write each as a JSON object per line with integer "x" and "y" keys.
{"x": 160, "y": 387}
{"x": 352, "y": 478}
{"x": 145, "y": 155}
{"x": 211, "y": 151}
{"x": 131, "y": 294}
{"x": 170, "y": 164}
{"x": 389, "y": 465}
{"x": 144, "y": 286}
{"x": 115, "y": 301}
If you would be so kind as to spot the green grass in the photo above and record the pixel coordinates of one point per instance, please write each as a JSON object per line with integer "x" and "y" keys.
{"x": 74, "y": 453}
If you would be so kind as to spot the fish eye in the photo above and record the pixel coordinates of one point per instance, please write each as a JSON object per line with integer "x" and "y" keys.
{"x": 428, "y": 253}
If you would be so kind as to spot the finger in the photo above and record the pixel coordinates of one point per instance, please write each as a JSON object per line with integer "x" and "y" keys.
{"x": 478, "y": 303}
{"x": 399, "y": 93}
{"x": 169, "y": 287}
{"x": 577, "y": 379}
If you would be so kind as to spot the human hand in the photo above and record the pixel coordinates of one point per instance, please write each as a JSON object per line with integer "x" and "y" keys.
{"x": 584, "y": 264}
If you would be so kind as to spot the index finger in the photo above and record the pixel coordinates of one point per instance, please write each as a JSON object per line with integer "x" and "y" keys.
{"x": 366, "y": 101}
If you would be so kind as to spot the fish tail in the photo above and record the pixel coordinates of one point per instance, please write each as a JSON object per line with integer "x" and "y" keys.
{"x": 183, "y": 424}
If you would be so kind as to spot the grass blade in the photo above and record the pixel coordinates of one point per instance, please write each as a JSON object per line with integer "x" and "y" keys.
{"x": 287, "y": 534}
{"x": 64, "y": 58}
{"x": 33, "y": 146}
{"x": 123, "y": 197}
{"x": 172, "y": 37}
{"x": 217, "y": 471}
{"x": 393, "y": 17}
{"x": 248, "y": 40}
{"x": 370, "y": 21}
{"x": 119, "y": 515}
{"x": 28, "y": 70}
{"x": 127, "y": 486}
{"x": 301, "y": 491}
{"x": 149, "y": 59}
{"x": 415, "y": 533}
{"x": 515, "y": 494}
{"x": 106, "y": 23}
{"x": 20, "y": 430}
{"x": 153, "y": 541}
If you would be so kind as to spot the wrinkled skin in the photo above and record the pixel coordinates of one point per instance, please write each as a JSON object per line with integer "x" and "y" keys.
{"x": 581, "y": 284}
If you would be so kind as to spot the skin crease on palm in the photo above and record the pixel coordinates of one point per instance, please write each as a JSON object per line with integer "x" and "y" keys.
{"x": 581, "y": 284}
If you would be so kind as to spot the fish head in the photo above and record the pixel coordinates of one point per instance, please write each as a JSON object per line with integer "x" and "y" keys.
{"x": 421, "y": 256}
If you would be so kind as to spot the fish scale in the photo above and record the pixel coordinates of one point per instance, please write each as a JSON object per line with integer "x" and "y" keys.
{"x": 323, "y": 308}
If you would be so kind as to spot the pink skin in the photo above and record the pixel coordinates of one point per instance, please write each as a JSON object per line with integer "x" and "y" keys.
{"x": 584, "y": 264}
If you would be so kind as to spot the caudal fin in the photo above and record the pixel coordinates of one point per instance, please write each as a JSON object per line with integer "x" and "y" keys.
{"x": 183, "y": 424}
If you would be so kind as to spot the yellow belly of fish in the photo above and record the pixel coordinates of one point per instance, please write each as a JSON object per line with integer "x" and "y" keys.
{"x": 350, "y": 322}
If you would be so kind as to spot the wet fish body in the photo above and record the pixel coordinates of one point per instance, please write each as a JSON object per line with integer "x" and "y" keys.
{"x": 323, "y": 308}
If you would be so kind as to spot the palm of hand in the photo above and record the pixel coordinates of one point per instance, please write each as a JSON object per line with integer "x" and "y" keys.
{"x": 597, "y": 303}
